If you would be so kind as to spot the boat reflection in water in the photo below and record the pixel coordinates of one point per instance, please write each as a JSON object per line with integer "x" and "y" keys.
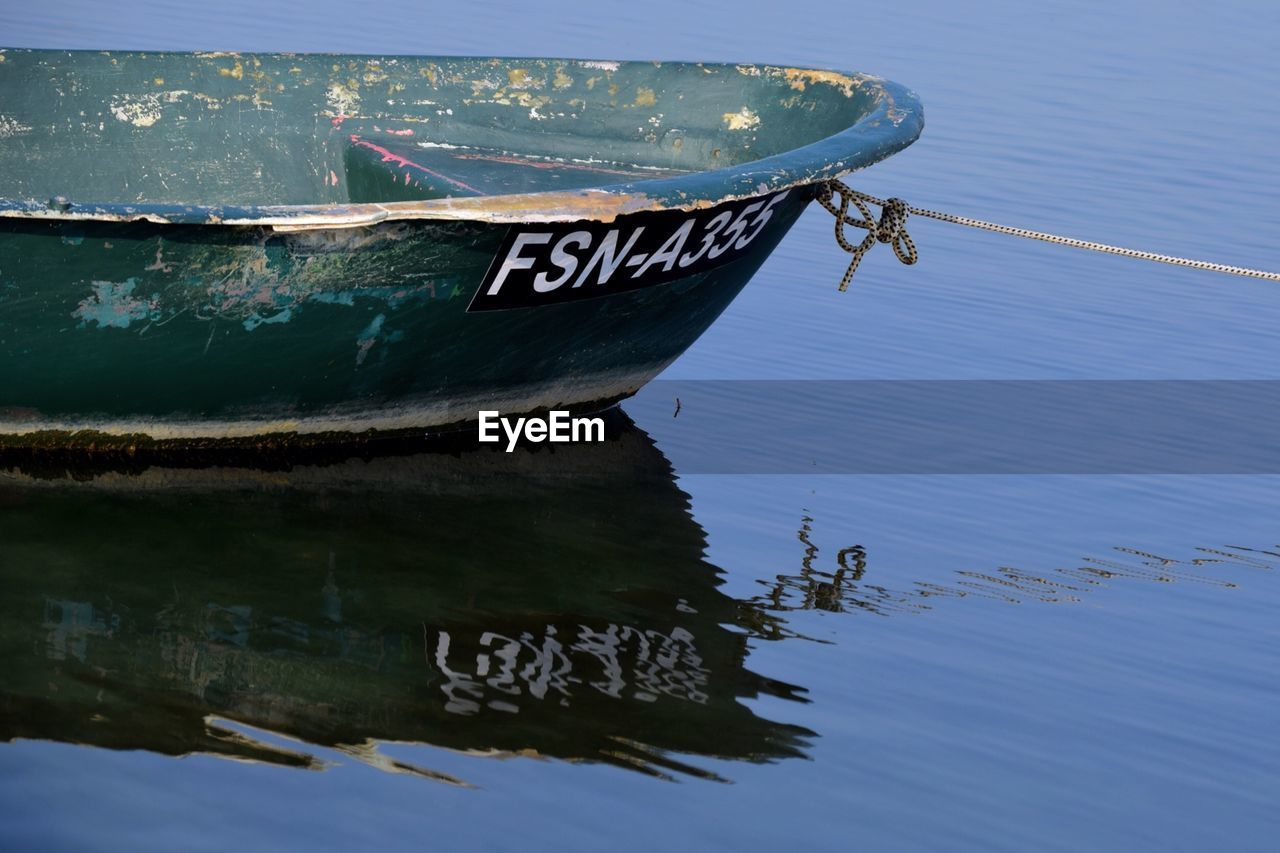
{"x": 551, "y": 603}
{"x": 547, "y": 603}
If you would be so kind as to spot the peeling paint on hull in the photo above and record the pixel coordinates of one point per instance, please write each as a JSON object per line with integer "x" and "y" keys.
{"x": 286, "y": 246}
{"x": 144, "y": 334}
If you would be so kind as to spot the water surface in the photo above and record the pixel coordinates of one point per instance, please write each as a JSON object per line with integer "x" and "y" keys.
{"x": 599, "y": 647}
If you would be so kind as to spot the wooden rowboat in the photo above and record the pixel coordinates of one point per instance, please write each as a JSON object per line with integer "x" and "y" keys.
{"x": 220, "y": 247}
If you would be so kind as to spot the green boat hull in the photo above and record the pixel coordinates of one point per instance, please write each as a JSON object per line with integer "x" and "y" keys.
{"x": 202, "y": 248}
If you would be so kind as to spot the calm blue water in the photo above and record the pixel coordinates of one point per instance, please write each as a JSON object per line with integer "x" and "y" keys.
{"x": 888, "y": 662}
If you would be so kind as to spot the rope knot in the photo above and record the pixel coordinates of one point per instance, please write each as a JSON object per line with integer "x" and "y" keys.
{"x": 891, "y": 228}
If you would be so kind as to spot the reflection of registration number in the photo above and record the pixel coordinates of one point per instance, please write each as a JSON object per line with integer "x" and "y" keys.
{"x": 579, "y": 260}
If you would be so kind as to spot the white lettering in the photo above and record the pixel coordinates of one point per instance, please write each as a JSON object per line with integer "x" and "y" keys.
{"x": 713, "y": 230}
{"x": 514, "y": 260}
{"x": 592, "y": 429}
{"x": 513, "y": 433}
{"x": 486, "y": 425}
{"x": 558, "y": 427}
{"x": 670, "y": 251}
{"x": 608, "y": 247}
{"x": 734, "y": 231}
{"x": 760, "y": 221}
{"x": 562, "y": 259}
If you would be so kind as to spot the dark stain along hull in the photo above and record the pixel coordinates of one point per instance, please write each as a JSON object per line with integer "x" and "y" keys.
{"x": 221, "y": 247}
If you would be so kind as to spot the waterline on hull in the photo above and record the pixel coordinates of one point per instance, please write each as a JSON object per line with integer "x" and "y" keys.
{"x": 427, "y": 416}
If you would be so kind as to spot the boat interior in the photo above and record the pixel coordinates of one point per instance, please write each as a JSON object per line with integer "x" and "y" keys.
{"x": 212, "y": 129}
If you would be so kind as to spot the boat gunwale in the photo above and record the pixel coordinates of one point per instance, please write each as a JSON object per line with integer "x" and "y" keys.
{"x": 894, "y": 121}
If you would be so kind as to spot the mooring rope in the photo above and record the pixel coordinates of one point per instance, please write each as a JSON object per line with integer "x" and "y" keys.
{"x": 891, "y": 228}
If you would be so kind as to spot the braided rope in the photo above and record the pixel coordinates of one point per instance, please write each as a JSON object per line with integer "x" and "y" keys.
{"x": 892, "y": 229}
